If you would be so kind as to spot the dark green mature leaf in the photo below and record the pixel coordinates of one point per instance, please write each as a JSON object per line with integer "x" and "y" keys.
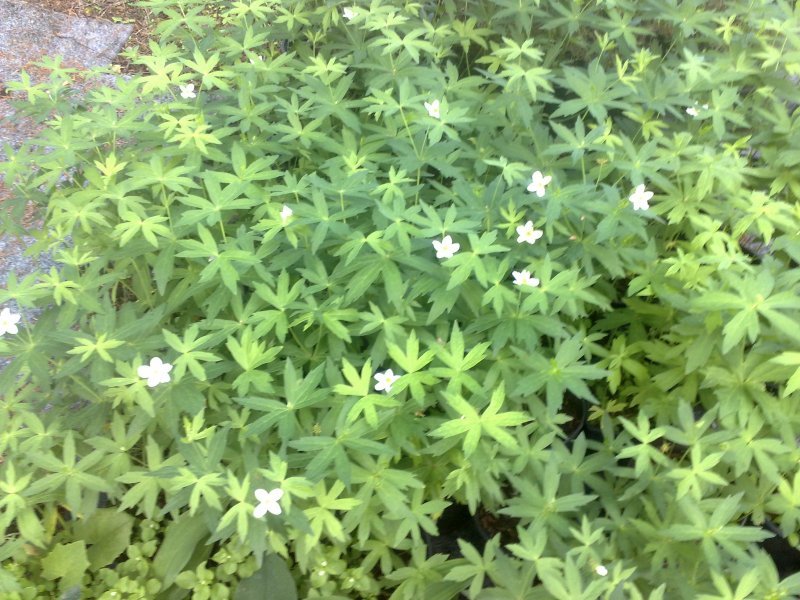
{"x": 108, "y": 534}
{"x": 182, "y": 537}
{"x": 274, "y": 575}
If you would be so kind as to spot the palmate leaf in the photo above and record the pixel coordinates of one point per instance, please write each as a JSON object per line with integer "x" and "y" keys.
{"x": 359, "y": 383}
{"x": 491, "y": 422}
{"x": 359, "y": 386}
{"x": 459, "y": 362}
{"x": 145, "y": 488}
{"x": 323, "y": 517}
{"x": 156, "y": 173}
{"x": 410, "y": 359}
{"x": 299, "y": 393}
{"x": 133, "y": 224}
{"x": 367, "y": 406}
{"x": 218, "y": 199}
{"x": 755, "y": 299}
{"x": 329, "y": 450}
{"x": 790, "y": 359}
{"x": 190, "y": 353}
{"x": 433, "y": 225}
{"x": 250, "y": 355}
{"x": 101, "y": 346}
{"x": 205, "y": 66}
{"x": 563, "y": 372}
{"x": 701, "y": 472}
{"x": 365, "y": 272}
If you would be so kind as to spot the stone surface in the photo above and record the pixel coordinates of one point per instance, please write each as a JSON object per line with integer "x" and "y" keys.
{"x": 28, "y": 32}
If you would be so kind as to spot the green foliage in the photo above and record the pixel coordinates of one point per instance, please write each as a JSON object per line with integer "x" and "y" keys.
{"x": 262, "y": 364}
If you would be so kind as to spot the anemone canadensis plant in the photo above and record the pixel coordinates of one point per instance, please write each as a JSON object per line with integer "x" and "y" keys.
{"x": 327, "y": 269}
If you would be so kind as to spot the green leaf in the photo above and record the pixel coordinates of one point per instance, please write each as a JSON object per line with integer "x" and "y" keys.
{"x": 66, "y": 562}
{"x": 164, "y": 266}
{"x": 410, "y": 360}
{"x": 790, "y": 359}
{"x": 443, "y": 590}
{"x": 180, "y": 540}
{"x": 108, "y": 533}
{"x": 274, "y": 575}
{"x": 359, "y": 383}
{"x": 8, "y": 583}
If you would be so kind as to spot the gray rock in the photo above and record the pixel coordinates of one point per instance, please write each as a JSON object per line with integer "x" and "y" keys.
{"x": 28, "y": 32}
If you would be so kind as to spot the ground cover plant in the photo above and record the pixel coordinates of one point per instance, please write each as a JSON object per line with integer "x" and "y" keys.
{"x": 331, "y": 270}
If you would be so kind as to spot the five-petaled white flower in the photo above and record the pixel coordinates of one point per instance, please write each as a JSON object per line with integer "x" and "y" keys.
{"x": 187, "y": 91}
{"x": 433, "y": 109}
{"x": 8, "y": 322}
{"x": 524, "y": 278}
{"x": 267, "y": 502}
{"x": 692, "y": 110}
{"x": 155, "y": 373}
{"x": 385, "y": 381}
{"x": 349, "y": 13}
{"x": 538, "y": 182}
{"x": 286, "y": 212}
{"x": 446, "y": 248}
{"x": 640, "y": 197}
{"x": 528, "y": 234}
{"x": 601, "y": 570}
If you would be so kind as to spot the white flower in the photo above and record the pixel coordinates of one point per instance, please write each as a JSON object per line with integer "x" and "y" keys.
{"x": 187, "y": 91}
{"x": 157, "y": 372}
{"x": 349, "y": 13}
{"x": 385, "y": 380}
{"x": 538, "y": 181}
{"x": 528, "y": 234}
{"x": 253, "y": 61}
{"x": 8, "y": 322}
{"x": 524, "y": 278}
{"x": 601, "y": 570}
{"x": 286, "y": 212}
{"x": 446, "y": 248}
{"x": 692, "y": 110}
{"x": 433, "y": 108}
{"x": 640, "y": 197}
{"x": 267, "y": 502}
